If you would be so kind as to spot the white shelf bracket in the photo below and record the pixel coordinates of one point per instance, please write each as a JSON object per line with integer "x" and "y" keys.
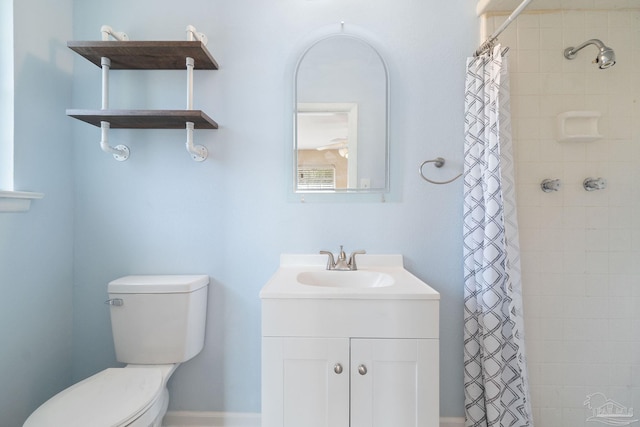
{"x": 108, "y": 31}
{"x": 198, "y": 152}
{"x": 120, "y": 152}
{"x": 190, "y": 64}
{"x": 193, "y": 34}
{"x": 105, "y": 63}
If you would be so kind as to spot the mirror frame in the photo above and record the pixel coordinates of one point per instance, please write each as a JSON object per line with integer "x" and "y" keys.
{"x": 295, "y": 103}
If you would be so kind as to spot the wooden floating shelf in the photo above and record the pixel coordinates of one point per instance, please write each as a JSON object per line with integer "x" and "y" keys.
{"x": 146, "y": 55}
{"x": 145, "y": 119}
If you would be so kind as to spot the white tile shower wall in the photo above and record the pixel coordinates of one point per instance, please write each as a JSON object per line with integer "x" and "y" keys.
{"x": 580, "y": 250}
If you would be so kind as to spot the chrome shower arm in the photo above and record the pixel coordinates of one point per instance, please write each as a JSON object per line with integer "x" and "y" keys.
{"x": 571, "y": 52}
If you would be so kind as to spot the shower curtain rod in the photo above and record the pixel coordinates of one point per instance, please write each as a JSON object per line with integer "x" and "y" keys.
{"x": 488, "y": 44}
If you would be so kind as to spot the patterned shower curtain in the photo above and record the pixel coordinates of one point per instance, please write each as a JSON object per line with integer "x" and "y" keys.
{"x": 495, "y": 375}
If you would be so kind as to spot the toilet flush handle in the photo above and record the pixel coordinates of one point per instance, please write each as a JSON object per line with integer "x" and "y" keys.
{"x": 114, "y": 301}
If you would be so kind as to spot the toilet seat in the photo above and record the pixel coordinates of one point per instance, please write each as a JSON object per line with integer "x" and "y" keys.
{"x": 113, "y": 397}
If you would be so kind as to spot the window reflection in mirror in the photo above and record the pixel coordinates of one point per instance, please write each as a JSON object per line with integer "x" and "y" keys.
{"x": 341, "y": 141}
{"x": 327, "y": 138}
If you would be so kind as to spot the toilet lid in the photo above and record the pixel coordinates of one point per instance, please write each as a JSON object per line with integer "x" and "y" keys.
{"x": 109, "y": 398}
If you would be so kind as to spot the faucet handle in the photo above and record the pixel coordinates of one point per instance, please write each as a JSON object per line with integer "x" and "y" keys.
{"x": 330, "y": 262}
{"x": 342, "y": 256}
{"x": 592, "y": 184}
{"x": 549, "y": 185}
{"x": 352, "y": 258}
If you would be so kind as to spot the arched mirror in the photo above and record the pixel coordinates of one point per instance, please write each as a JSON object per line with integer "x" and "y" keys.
{"x": 341, "y": 111}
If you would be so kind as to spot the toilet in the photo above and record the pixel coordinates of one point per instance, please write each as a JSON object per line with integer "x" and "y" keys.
{"x": 158, "y": 322}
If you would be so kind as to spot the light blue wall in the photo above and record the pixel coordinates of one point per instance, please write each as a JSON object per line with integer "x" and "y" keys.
{"x": 231, "y": 216}
{"x": 159, "y": 212}
{"x": 36, "y": 252}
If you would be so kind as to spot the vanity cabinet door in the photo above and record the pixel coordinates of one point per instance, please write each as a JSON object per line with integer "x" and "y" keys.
{"x": 394, "y": 382}
{"x": 305, "y": 382}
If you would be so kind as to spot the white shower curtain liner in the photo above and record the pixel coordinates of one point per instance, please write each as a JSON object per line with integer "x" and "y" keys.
{"x": 495, "y": 375}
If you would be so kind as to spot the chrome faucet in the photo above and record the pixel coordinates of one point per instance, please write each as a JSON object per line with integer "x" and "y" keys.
{"x": 342, "y": 264}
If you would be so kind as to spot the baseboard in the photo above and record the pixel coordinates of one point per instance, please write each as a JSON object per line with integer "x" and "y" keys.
{"x": 231, "y": 419}
{"x": 210, "y": 419}
{"x": 451, "y": 421}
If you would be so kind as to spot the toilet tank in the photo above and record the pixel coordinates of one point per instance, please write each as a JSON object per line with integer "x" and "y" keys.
{"x": 158, "y": 319}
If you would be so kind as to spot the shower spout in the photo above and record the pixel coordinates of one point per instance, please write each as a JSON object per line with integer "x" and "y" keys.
{"x": 606, "y": 56}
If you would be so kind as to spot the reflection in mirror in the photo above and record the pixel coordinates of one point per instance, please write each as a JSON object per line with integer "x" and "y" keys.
{"x": 327, "y": 146}
{"x": 341, "y": 138}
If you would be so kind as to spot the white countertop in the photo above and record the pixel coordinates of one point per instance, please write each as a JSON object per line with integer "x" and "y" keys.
{"x": 284, "y": 283}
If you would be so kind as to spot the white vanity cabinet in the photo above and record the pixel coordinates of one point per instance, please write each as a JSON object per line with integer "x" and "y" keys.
{"x": 350, "y": 382}
{"x": 394, "y": 382}
{"x": 300, "y": 387}
{"x": 341, "y": 355}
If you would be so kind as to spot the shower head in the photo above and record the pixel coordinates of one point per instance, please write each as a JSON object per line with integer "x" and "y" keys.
{"x": 606, "y": 56}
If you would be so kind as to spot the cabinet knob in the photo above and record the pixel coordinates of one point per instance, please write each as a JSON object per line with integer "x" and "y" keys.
{"x": 362, "y": 370}
{"x": 337, "y": 368}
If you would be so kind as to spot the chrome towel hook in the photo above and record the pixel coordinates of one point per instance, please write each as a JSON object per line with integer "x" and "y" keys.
{"x": 437, "y": 162}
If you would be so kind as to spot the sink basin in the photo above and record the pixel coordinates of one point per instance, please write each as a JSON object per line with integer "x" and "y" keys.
{"x": 345, "y": 279}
